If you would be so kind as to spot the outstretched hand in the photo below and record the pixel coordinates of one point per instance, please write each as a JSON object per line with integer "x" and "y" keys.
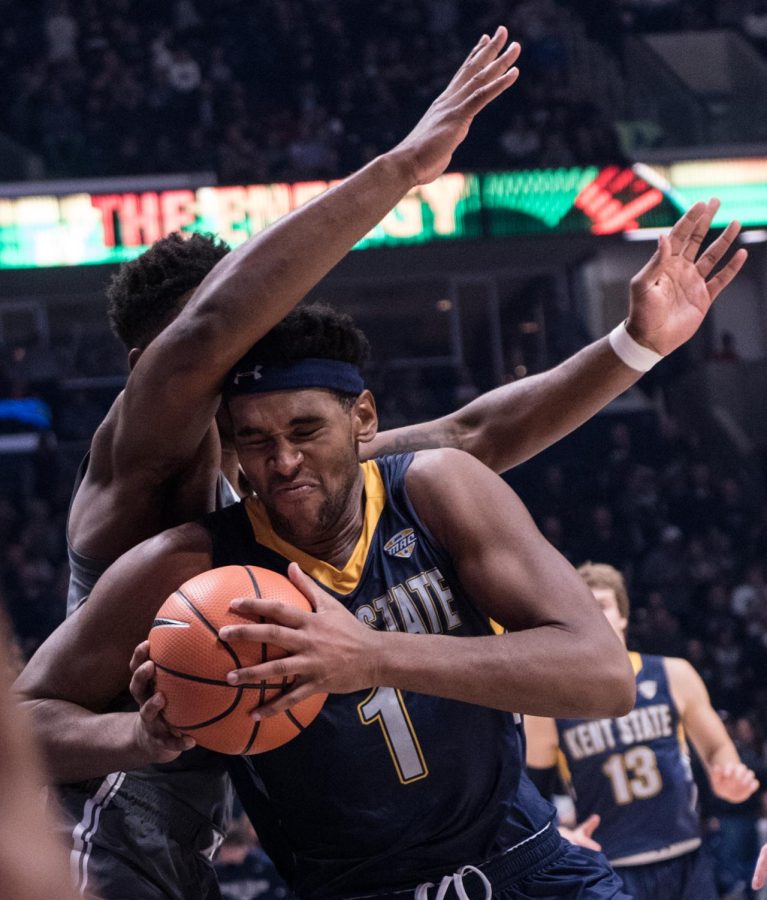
{"x": 329, "y": 650}
{"x": 672, "y": 294}
{"x": 485, "y": 74}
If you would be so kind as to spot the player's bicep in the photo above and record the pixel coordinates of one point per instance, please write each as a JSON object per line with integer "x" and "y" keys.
{"x": 410, "y": 438}
{"x": 503, "y": 562}
{"x": 163, "y": 419}
{"x": 86, "y": 659}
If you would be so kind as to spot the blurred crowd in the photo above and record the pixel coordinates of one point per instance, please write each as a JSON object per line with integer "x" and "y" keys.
{"x": 277, "y": 89}
{"x": 300, "y": 89}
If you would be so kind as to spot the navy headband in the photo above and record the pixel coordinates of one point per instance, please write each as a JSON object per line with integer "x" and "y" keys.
{"x": 249, "y": 377}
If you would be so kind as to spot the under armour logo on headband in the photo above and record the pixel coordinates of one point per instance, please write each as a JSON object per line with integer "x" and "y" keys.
{"x": 331, "y": 374}
{"x": 254, "y": 373}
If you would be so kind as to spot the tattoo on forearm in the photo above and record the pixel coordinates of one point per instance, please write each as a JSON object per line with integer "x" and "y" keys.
{"x": 411, "y": 440}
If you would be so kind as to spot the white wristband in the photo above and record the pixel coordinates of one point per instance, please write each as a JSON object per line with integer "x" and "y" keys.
{"x": 630, "y": 352}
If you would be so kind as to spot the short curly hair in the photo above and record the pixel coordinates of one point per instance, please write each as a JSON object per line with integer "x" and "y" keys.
{"x": 311, "y": 331}
{"x": 145, "y": 295}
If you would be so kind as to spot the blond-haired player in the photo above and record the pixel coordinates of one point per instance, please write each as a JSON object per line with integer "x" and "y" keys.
{"x": 630, "y": 776}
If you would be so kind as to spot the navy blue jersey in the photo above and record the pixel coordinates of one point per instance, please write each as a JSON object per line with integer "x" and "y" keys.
{"x": 634, "y": 772}
{"x": 386, "y": 788}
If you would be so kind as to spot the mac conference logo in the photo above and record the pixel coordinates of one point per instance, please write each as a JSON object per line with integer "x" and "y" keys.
{"x": 402, "y": 544}
{"x": 648, "y": 689}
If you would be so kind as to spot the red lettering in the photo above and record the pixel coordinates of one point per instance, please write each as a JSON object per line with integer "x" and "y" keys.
{"x": 108, "y": 205}
{"x": 139, "y": 219}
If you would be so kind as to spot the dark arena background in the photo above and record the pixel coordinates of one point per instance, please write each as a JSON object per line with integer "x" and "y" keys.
{"x": 125, "y": 120}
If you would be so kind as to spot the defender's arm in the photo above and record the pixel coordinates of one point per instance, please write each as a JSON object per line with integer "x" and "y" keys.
{"x": 173, "y": 391}
{"x": 668, "y": 300}
{"x": 83, "y": 667}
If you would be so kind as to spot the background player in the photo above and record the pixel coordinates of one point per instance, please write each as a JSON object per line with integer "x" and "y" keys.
{"x": 634, "y": 773}
{"x": 388, "y": 819}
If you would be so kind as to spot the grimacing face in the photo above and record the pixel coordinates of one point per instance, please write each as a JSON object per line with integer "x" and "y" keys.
{"x": 608, "y": 603}
{"x": 298, "y": 449}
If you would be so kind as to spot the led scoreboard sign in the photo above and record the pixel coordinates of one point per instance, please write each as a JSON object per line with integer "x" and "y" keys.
{"x": 77, "y": 228}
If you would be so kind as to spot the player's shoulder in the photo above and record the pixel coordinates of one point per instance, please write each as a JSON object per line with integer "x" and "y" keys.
{"x": 447, "y": 486}
{"x": 452, "y": 476}
{"x": 685, "y": 683}
{"x": 676, "y": 667}
{"x": 431, "y": 465}
{"x": 189, "y": 538}
{"x": 100, "y": 468}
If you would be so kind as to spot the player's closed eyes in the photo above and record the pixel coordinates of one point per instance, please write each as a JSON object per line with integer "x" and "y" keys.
{"x": 307, "y": 434}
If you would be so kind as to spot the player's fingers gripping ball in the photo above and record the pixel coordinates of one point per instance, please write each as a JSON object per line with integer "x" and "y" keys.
{"x": 192, "y": 663}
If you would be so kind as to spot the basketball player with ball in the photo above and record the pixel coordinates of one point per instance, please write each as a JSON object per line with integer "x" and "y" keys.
{"x": 154, "y": 461}
{"x": 187, "y": 310}
{"x": 412, "y": 770}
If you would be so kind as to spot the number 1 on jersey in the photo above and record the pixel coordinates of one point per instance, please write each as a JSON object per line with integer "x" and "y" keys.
{"x": 387, "y": 707}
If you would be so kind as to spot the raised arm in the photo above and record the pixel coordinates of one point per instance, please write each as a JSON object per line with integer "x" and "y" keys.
{"x": 730, "y": 779}
{"x": 668, "y": 299}
{"x": 80, "y": 672}
{"x": 560, "y": 656}
{"x": 173, "y": 391}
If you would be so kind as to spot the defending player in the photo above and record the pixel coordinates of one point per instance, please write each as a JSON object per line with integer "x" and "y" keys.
{"x": 634, "y": 773}
{"x": 396, "y": 638}
{"x": 155, "y": 461}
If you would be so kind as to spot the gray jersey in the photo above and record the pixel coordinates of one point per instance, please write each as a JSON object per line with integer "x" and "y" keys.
{"x": 84, "y": 572}
{"x": 182, "y": 809}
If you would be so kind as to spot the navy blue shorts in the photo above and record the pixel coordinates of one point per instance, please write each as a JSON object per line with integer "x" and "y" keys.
{"x": 688, "y": 877}
{"x": 571, "y": 874}
{"x": 548, "y": 868}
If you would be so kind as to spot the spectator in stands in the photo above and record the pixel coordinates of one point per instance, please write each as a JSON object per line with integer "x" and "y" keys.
{"x": 125, "y": 86}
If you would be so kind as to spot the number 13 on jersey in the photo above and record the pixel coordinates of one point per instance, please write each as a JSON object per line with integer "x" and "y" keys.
{"x": 633, "y": 775}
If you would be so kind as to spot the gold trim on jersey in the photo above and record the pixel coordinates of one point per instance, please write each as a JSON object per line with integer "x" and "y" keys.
{"x": 564, "y": 769}
{"x": 636, "y": 661}
{"x": 342, "y": 581}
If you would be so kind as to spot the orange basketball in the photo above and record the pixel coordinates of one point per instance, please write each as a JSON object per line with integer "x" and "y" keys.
{"x": 192, "y": 662}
